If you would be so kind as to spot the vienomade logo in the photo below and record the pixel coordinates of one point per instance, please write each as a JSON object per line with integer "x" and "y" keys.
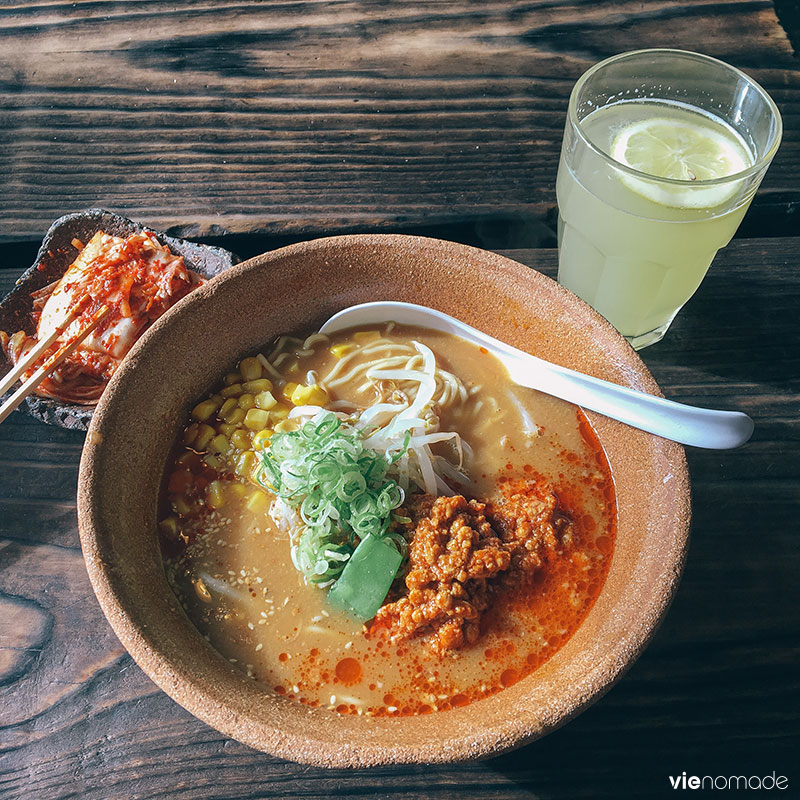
{"x": 773, "y": 781}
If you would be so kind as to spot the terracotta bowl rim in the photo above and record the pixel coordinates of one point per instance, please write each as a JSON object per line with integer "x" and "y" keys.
{"x": 203, "y": 702}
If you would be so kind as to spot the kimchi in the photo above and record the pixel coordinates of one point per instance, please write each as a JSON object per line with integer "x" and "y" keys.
{"x": 137, "y": 278}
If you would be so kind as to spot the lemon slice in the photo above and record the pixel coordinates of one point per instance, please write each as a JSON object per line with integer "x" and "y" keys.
{"x": 668, "y": 148}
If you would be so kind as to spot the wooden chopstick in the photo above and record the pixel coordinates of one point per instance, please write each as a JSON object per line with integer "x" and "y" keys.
{"x": 63, "y": 352}
{"x": 33, "y": 355}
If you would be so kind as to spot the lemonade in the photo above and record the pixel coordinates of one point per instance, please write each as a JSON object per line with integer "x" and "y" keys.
{"x": 636, "y": 249}
{"x": 663, "y": 151}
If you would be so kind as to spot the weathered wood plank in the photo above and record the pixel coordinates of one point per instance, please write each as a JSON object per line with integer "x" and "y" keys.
{"x": 300, "y": 117}
{"x": 715, "y": 693}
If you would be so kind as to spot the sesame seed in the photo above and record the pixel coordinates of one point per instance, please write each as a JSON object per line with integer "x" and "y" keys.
{"x": 333, "y": 699}
{"x": 251, "y": 626}
{"x": 259, "y": 646}
{"x": 391, "y": 709}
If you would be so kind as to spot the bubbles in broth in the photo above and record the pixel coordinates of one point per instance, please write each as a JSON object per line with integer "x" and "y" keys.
{"x": 381, "y": 523}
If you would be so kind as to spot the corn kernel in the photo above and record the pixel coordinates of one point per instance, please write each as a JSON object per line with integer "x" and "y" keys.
{"x": 186, "y": 459}
{"x": 203, "y": 411}
{"x": 278, "y": 413}
{"x": 190, "y": 434}
{"x": 169, "y": 527}
{"x": 258, "y": 502}
{"x": 205, "y": 433}
{"x": 310, "y": 395}
{"x": 215, "y": 462}
{"x": 256, "y": 419}
{"x": 284, "y": 426}
{"x": 250, "y": 368}
{"x": 231, "y": 412}
{"x": 247, "y": 401}
{"x": 228, "y": 406}
{"x": 215, "y": 497}
{"x": 259, "y": 385}
{"x": 261, "y": 439}
{"x": 245, "y": 464}
{"x": 234, "y": 390}
{"x": 298, "y": 395}
{"x": 265, "y": 400}
{"x": 341, "y": 350}
{"x": 232, "y": 377}
{"x": 228, "y": 429}
{"x": 287, "y": 390}
{"x": 180, "y": 505}
{"x": 237, "y": 489}
{"x": 364, "y": 337}
{"x": 193, "y": 462}
{"x": 240, "y": 439}
{"x": 219, "y": 445}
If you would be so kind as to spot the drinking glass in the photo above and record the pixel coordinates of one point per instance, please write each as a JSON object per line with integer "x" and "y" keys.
{"x": 632, "y": 245}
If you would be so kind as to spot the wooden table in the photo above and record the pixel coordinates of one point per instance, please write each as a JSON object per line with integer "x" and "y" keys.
{"x": 254, "y": 124}
{"x": 214, "y": 117}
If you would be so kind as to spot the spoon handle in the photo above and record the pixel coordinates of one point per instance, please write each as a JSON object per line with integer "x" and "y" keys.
{"x": 700, "y": 427}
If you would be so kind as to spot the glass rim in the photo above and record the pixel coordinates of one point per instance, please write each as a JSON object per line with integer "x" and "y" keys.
{"x": 754, "y": 169}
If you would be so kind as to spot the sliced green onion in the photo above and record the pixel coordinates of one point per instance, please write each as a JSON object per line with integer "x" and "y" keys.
{"x": 340, "y": 490}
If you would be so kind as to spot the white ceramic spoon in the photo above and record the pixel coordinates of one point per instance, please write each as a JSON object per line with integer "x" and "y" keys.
{"x": 701, "y": 427}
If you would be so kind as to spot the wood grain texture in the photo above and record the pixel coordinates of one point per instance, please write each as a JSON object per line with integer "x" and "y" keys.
{"x": 717, "y": 691}
{"x": 302, "y": 116}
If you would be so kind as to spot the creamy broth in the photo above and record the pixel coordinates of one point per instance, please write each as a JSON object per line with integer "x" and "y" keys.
{"x": 232, "y": 569}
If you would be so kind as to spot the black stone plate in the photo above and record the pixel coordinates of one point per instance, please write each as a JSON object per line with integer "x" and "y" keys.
{"x": 55, "y": 255}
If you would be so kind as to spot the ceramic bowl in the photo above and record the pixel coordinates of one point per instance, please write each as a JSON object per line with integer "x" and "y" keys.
{"x": 298, "y": 288}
